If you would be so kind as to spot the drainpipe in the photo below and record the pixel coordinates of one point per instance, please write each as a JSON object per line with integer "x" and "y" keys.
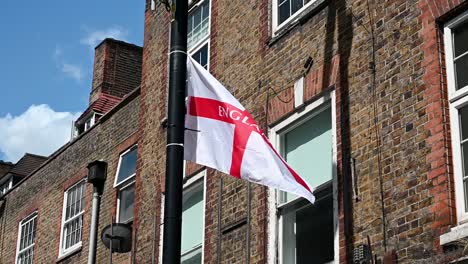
{"x": 97, "y": 177}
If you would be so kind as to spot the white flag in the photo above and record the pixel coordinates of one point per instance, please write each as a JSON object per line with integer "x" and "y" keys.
{"x": 222, "y": 135}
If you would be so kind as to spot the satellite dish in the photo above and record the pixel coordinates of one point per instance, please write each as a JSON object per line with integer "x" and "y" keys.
{"x": 119, "y": 236}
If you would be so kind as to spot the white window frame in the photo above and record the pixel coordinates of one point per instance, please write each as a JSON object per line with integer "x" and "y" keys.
{"x": 119, "y": 190}
{"x": 25, "y": 221}
{"x": 92, "y": 120}
{"x": 190, "y": 185}
{"x": 275, "y": 256}
{"x": 206, "y": 40}
{"x": 6, "y": 186}
{"x": 116, "y": 184}
{"x": 62, "y": 250}
{"x": 125, "y": 183}
{"x": 290, "y": 19}
{"x": 457, "y": 100}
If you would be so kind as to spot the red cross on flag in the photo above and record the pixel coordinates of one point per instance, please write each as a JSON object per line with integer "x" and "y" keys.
{"x": 222, "y": 135}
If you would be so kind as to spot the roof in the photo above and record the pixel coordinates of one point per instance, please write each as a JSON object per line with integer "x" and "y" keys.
{"x": 102, "y": 105}
{"x": 27, "y": 164}
{"x": 5, "y": 167}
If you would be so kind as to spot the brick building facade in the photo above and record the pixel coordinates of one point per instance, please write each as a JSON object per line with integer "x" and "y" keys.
{"x": 365, "y": 99}
{"x": 35, "y": 224}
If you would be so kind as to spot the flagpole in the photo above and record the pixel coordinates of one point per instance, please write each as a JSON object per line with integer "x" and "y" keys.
{"x": 175, "y": 133}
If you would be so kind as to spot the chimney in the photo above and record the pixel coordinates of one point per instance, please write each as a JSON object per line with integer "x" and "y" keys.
{"x": 117, "y": 69}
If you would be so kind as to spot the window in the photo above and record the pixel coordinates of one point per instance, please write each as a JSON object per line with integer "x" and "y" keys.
{"x": 26, "y": 237}
{"x": 72, "y": 218}
{"x": 125, "y": 184}
{"x": 5, "y": 187}
{"x": 285, "y": 11}
{"x": 198, "y": 32}
{"x": 306, "y": 142}
{"x": 193, "y": 220}
{"x": 456, "y": 45}
{"x": 82, "y": 126}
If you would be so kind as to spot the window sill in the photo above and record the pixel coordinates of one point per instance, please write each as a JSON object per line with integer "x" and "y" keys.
{"x": 69, "y": 254}
{"x": 454, "y": 235}
{"x": 301, "y": 19}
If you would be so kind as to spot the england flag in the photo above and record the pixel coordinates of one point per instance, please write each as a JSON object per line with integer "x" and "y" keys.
{"x": 222, "y": 135}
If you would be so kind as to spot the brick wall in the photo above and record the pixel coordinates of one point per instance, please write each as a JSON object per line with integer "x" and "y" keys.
{"x": 117, "y": 68}
{"x": 384, "y": 62}
{"x": 395, "y": 130}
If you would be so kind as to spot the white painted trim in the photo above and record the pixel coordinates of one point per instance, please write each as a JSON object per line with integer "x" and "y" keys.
{"x": 62, "y": 251}
{"x": 299, "y": 92}
{"x": 453, "y": 93}
{"x": 23, "y": 222}
{"x": 293, "y": 18}
{"x": 274, "y": 254}
{"x": 116, "y": 184}
{"x": 191, "y": 185}
{"x": 457, "y": 100}
{"x": 161, "y": 228}
{"x": 456, "y": 234}
{"x": 462, "y": 216}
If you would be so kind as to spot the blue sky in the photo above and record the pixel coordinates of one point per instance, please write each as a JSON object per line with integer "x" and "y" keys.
{"x": 47, "y": 51}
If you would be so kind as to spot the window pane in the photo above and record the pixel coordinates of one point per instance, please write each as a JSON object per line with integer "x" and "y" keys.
{"x": 303, "y": 223}
{"x": 463, "y": 113}
{"x": 461, "y": 69}
{"x": 192, "y": 258}
{"x": 197, "y": 17}
{"x": 201, "y": 56}
{"x": 198, "y": 24}
{"x": 26, "y": 237}
{"x": 296, "y": 5}
{"x": 192, "y": 218}
{"x": 127, "y": 200}
{"x": 283, "y": 11}
{"x": 308, "y": 150}
{"x": 465, "y": 158}
{"x": 127, "y": 165}
{"x": 308, "y": 246}
{"x": 460, "y": 39}
{"x": 465, "y": 188}
{"x": 72, "y": 227}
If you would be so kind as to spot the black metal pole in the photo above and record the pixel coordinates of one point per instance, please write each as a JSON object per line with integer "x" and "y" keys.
{"x": 175, "y": 133}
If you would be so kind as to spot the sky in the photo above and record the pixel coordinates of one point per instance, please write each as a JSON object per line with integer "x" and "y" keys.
{"x": 46, "y": 64}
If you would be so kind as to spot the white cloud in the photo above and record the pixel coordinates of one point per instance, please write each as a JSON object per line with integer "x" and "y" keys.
{"x": 94, "y": 37}
{"x": 39, "y": 130}
{"x": 73, "y": 71}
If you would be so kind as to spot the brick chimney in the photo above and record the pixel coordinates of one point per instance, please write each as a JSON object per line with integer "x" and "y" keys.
{"x": 117, "y": 69}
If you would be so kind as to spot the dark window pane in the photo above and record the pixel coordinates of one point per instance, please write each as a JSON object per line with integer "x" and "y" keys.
{"x": 465, "y": 158}
{"x": 283, "y": 11}
{"x": 127, "y": 198}
{"x": 460, "y": 39}
{"x": 464, "y": 122}
{"x": 201, "y": 56}
{"x": 461, "y": 69}
{"x": 312, "y": 222}
{"x": 197, "y": 17}
{"x": 127, "y": 165}
{"x": 295, "y": 5}
{"x": 189, "y": 25}
{"x": 206, "y": 9}
{"x": 465, "y": 187}
{"x": 193, "y": 258}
